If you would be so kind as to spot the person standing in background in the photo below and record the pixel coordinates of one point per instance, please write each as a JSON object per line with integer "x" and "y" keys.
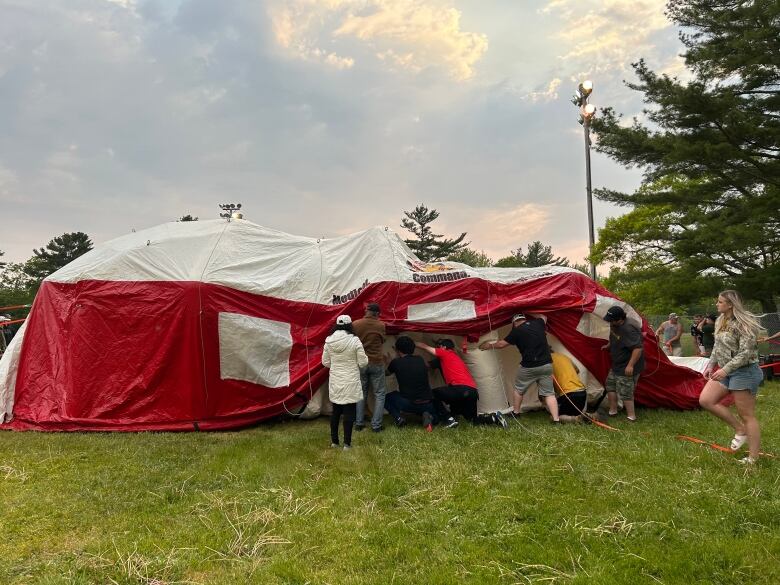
{"x": 371, "y": 332}
{"x": 671, "y": 330}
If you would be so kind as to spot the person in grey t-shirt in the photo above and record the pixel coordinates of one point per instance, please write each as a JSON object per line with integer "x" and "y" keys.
{"x": 628, "y": 361}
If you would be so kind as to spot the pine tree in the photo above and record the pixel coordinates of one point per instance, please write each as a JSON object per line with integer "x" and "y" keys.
{"x": 58, "y": 252}
{"x": 537, "y": 255}
{"x": 709, "y": 199}
{"x": 429, "y": 247}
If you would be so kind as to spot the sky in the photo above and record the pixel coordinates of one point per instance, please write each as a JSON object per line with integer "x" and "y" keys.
{"x": 322, "y": 117}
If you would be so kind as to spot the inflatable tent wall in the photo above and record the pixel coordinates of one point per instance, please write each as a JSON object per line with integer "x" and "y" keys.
{"x": 220, "y": 324}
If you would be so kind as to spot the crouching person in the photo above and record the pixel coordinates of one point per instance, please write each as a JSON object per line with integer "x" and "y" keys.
{"x": 460, "y": 394}
{"x": 344, "y": 355}
{"x": 570, "y": 392}
{"x": 414, "y": 391}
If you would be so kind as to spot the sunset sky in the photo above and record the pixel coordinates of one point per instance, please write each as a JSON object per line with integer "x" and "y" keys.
{"x": 321, "y": 117}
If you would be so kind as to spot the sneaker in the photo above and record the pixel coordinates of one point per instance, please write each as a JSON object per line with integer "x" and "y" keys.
{"x": 500, "y": 420}
{"x": 377, "y": 429}
{"x": 556, "y": 422}
{"x": 427, "y": 421}
{"x": 747, "y": 461}
{"x": 630, "y": 419}
{"x": 359, "y": 427}
{"x": 347, "y": 447}
{"x": 334, "y": 445}
{"x": 450, "y": 423}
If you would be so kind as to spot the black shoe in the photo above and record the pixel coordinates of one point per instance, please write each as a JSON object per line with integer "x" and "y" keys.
{"x": 427, "y": 421}
{"x": 450, "y": 423}
{"x": 377, "y": 429}
{"x": 359, "y": 428}
{"x": 400, "y": 422}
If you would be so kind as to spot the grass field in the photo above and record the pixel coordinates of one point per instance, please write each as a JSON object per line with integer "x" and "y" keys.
{"x": 274, "y": 504}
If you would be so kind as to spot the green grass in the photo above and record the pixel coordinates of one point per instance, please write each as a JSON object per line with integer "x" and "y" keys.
{"x": 274, "y": 504}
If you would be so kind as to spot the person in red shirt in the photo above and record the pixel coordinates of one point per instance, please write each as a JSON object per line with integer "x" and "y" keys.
{"x": 460, "y": 393}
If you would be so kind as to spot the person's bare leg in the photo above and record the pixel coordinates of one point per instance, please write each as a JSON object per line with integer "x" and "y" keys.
{"x": 746, "y": 407}
{"x": 552, "y": 406}
{"x": 710, "y": 398}
{"x": 612, "y": 402}
{"x": 629, "y": 406}
{"x": 517, "y": 402}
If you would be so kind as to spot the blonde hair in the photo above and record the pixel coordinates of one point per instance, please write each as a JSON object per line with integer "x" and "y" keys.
{"x": 745, "y": 322}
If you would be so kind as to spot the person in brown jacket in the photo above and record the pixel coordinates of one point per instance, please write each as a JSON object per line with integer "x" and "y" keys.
{"x": 371, "y": 332}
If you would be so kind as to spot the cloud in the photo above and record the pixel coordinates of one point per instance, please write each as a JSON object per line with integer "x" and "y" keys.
{"x": 499, "y": 231}
{"x": 607, "y": 34}
{"x": 409, "y": 35}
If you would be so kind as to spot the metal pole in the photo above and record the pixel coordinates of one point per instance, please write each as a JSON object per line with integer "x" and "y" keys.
{"x": 591, "y": 238}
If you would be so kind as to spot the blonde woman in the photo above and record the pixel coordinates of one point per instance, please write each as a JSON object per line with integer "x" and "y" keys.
{"x": 733, "y": 368}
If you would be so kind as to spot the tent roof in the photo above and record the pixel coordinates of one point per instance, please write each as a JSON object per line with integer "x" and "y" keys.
{"x": 242, "y": 255}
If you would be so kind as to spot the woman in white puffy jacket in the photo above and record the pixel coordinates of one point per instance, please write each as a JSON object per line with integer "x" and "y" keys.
{"x": 344, "y": 355}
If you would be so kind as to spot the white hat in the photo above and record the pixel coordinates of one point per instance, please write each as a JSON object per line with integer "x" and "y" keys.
{"x": 343, "y": 320}
{"x": 673, "y": 315}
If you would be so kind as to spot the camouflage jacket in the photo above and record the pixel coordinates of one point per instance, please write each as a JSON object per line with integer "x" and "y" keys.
{"x": 733, "y": 350}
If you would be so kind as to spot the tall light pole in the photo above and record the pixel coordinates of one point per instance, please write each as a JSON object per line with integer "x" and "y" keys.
{"x": 587, "y": 111}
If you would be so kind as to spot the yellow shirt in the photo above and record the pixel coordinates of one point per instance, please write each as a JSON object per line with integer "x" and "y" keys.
{"x": 565, "y": 374}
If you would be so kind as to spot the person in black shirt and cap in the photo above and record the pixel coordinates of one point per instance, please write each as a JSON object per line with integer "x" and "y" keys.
{"x": 628, "y": 361}
{"x": 530, "y": 338}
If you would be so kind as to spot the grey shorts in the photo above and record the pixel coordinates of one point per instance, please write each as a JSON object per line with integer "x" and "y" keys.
{"x": 744, "y": 378}
{"x": 623, "y": 385}
{"x": 542, "y": 375}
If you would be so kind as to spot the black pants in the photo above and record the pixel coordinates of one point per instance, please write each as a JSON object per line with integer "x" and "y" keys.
{"x": 348, "y": 410}
{"x": 580, "y": 400}
{"x": 461, "y": 400}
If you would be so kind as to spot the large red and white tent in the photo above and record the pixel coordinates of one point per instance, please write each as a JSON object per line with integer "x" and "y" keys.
{"x": 220, "y": 324}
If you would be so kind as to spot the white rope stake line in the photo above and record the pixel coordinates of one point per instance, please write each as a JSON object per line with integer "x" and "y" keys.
{"x": 200, "y": 309}
{"x": 306, "y": 339}
{"x": 490, "y": 328}
{"x": 397, "y": 273}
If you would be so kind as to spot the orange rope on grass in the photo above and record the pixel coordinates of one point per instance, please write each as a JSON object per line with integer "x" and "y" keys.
{"x": 715, "y": 445}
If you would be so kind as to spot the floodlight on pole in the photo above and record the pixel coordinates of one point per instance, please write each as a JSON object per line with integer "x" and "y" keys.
{"x": 587, "y": 111}
{"x": 230, "y": 211}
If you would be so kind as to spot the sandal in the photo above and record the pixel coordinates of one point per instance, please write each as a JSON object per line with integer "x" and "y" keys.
{"x": 738, "y": 441}
{"x": 612, "y": 413}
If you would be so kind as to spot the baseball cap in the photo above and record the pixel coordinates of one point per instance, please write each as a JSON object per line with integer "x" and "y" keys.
{"x": 446, "y": 343}
{"x": 517, "y": 317}
{"x": 343, "y": 320}
{"x": 615, "y": 313}
{"x": 373, "y": 307}
{"x": 673, "y": 315}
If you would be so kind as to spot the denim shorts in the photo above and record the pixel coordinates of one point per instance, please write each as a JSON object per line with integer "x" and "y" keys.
{"x": 744, "y": 378}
